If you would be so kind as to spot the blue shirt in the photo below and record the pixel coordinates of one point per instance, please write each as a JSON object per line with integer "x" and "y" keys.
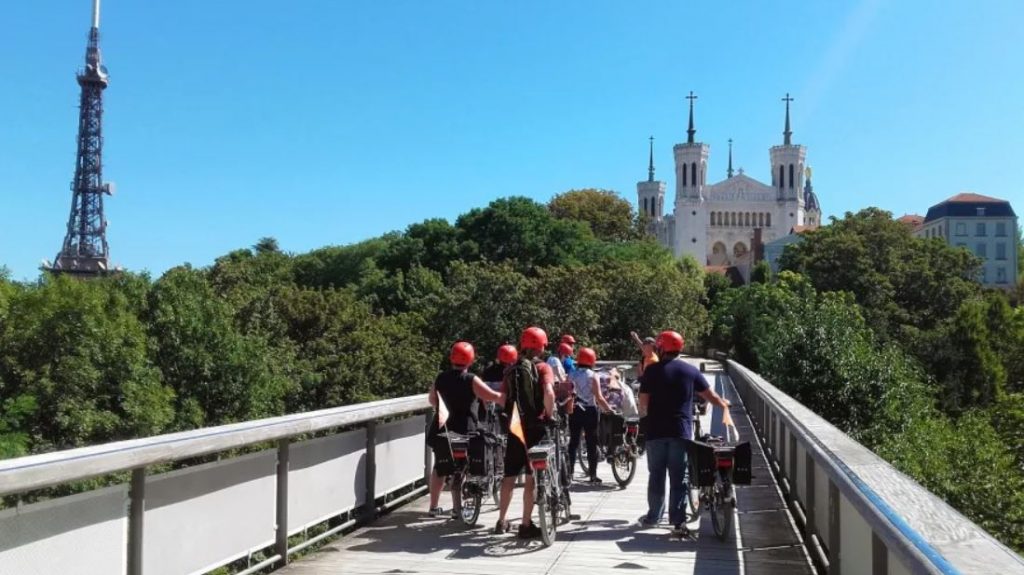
{"x": 569, "y": 364}
{"x": 671, "y": 385}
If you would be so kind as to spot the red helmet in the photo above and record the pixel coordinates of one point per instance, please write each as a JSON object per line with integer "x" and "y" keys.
{"x": 462, "y": 353}
{"x": 507, "y": 354}
{"x": 568, "y": 338}
{"x": 533, "y": 338}
{"x": 564, "y": 349}
{"x": 670, "y": 342}
{"x": 587, "y": 357}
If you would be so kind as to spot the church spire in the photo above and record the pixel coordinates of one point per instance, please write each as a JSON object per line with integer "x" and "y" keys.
{"x": 690, "y": 131}
{"x": 650, "y": 165}
{"x": 787, "y": 133}
{"x": 730, "y": 158}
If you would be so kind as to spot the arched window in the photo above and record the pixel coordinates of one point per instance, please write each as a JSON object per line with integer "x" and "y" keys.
{"x": 782, "y": 176}
{"x": 712, "y": 218}
{"x": 646, "y": 210}
{"x": 739, "y": 250}
{"x": 684, "y": 175}
{"x": 760, "y": 220}
{"x": 732, "y": 218}
{"x": 661, "y": 205}
{"x": 746, "y": 219}
{"x": 693, "y": 173}
{"x": 768, "y": 220}
{"x": 791, "y": 176}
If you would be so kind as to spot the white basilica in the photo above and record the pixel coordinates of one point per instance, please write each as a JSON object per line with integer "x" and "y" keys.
{"x": 716, "y": 223}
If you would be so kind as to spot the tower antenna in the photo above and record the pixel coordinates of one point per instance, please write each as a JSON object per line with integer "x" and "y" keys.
{"x": 787, "y": 133}
{"x": 691, "y": 131}
{"x": 730, "y": 158}
{"x": 650, "y": 166}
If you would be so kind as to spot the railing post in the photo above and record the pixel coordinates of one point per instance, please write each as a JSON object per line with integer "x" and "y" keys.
{"x": 794, "y": 481}
{"x": 370, "y": 505}
{"x": 281, "y": 535}
{"x": 834, "y": 560}
{"x": 809, "y": 505}
{"x": 136, "y": 516}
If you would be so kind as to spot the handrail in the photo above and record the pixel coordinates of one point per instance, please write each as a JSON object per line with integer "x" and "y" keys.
{"x": 49, "y": 469}
{"x": 897, "y": 535}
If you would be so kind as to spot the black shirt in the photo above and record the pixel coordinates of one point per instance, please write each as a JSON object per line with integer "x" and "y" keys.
{"x": 671, "y": 385}
{"x": 455, "y": 388}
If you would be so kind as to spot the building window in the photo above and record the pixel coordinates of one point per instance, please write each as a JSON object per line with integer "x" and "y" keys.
{"x": 684, "y": 175}
{"x": 961, "y": 245}
{"x": 981, "y": 212}
{"x": 782, "y": 176}
{"x": 961, "y": 229}
{"x": 791, "y": 176}
{"x": 1001, "y": 229}
{"x": 712, "y": 218}
{"x": 1001, "y": 251}
{"x": 979, "y": 229}
{"x": 646, "y": 211}
{"x": 693, "y": 173}
{"x": 767, "y": 220}
{"x": 732, "y": 218}
{"x": 1001, "y": 275}
{"x": 760, "y": 220}
{"x": 746, "y": 219}
{"x": 984, "y": 275}
{"x": 981, "y": 250}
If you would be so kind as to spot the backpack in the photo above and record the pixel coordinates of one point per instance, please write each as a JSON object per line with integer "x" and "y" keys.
{"x": 524, "y": 388}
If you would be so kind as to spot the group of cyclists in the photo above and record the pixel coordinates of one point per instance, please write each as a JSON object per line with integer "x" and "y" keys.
{"x": 531, "y": 388}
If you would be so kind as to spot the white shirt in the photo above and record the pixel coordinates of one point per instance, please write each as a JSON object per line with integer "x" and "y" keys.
{"x": 557, "y": 367}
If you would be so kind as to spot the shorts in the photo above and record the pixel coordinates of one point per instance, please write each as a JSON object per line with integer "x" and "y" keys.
{"x": 444, "y": 465}
{"x": 515, "y": 453}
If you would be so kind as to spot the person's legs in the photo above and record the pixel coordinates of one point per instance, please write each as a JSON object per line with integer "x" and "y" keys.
{"x": 529, "y": 493}
{"x": 676, "y": 459}
{"x": 436, "y": 485}
{"x": 657, "y": 462}
{"x": 575, "y": 428}
{"x": 590, "y": 420}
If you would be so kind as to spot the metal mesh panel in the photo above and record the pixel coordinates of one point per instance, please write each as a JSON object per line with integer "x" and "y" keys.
{"x": 326, "y": 476}
{"x": 400, "y": 446}
{"x": 82, "y": 534}
{"x": 202, "y": 517}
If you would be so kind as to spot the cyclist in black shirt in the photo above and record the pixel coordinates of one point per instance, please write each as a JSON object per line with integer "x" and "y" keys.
{"x": 452, "y": 395}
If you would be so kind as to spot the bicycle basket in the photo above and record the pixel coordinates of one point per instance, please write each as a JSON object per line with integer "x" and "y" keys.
{"x": 702, "y": 463}
{"x": 741, "y": 469}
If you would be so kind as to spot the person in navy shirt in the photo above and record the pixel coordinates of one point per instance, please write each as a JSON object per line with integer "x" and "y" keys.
{"x": 667, "y": 391}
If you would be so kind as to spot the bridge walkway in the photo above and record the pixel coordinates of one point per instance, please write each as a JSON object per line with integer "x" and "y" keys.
{"x": 605, "y": 539}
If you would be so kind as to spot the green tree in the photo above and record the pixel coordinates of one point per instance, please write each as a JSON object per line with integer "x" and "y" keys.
{"x": 79, "y": 353}
{"x": 524, "y": 232}
{"x": 761, "y": 274}
{"x": 608, "y": 215}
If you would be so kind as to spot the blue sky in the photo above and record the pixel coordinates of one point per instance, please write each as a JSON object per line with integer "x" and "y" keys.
{"x": 322, "y": 122}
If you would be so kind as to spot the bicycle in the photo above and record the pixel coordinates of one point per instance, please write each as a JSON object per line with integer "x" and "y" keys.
{"x": 623, "y": 459}
{"x": 548, "y": 462}
{"x": 474, "y": 486}
{"x": 714, "y": 465}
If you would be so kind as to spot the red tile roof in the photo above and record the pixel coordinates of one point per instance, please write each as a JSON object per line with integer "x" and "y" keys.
{"x": 800, "y": 229}
{"x": 912, "y": 221}
{"x": 724, "y": 270}
{"x": 972, "y": 197}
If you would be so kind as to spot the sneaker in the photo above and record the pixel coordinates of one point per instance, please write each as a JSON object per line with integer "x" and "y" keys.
{"x": 681, "y": 530}
{"x": 436, "y": 512}
{"x": 456, "y": 514}
{"x": 595, "y": 480}
{"x": 501, "y": 527}
{"x": 646, "y": 521}
{"x": 530, "y": 531}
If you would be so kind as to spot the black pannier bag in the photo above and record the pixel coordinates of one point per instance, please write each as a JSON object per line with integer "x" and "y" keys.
{"x": 702, "y": 462}
{"x": 481, "y": 450}
{"x": 741, "y": 468}
{"x": 611, "y": 428}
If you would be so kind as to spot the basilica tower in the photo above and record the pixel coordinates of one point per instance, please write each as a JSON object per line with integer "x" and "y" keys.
{"x": 788, "y": 176}
{"x": 650, "y": 194}
{"x": 691, "y": 178}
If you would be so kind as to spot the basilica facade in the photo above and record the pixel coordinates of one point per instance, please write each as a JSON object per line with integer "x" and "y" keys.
{"x": 716, "y": 223}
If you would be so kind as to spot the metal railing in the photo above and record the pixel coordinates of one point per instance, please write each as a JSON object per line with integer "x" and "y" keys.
{"x": 857, "y": 513}
{"x": 370, "y": 457}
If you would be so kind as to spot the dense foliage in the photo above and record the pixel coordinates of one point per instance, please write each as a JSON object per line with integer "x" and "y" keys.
{"x": 890, "y": 338}
{"x": 262, "y": 332}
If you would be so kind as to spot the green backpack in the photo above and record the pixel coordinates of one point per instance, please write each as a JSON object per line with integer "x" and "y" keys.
{"x": 524, "y": 388}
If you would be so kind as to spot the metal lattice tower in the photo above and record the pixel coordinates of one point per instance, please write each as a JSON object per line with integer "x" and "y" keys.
{"x": 85, "y": 251}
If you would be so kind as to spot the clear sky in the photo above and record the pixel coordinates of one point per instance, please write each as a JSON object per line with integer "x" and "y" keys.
{"x": 325, "y": 122}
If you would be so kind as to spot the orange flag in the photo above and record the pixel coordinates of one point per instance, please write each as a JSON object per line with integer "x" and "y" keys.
{"x": 442, "y": 412}
{"x": 515, "y": 424}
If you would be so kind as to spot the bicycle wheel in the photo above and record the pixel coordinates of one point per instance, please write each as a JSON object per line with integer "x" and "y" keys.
{"x": 548, "y": 513}
{"x": 721, "y": 514}
{"x": 623, "y": 468}
{"x": 472, "y": 498}
{"x": 693, "y": 501}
